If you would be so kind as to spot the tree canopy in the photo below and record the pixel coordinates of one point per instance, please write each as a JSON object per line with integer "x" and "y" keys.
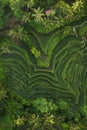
{"x": 43, "y": 15}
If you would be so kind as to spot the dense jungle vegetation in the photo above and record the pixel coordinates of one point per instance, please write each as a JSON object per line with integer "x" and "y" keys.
{"x": 43, "y": 64}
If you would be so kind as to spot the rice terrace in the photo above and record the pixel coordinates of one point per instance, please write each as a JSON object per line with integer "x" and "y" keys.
{"x": 43, "y": 65}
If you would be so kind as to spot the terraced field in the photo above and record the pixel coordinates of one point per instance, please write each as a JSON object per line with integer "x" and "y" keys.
{"x": 60, "y": 69}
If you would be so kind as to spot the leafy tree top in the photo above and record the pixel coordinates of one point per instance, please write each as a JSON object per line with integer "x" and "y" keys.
{"x": 43, "y": 15}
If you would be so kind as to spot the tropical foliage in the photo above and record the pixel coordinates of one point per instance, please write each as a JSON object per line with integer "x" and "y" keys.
{"x": 43, "y": 65}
